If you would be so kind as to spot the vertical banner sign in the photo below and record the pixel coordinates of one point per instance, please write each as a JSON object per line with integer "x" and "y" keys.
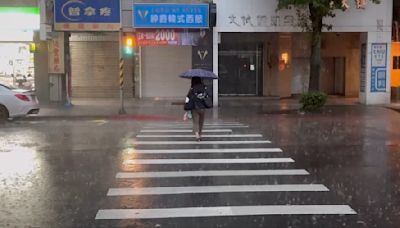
{"x": 153, "y": 15}
{"x": 363, "y": 71}
{"x": 202, "y": 55}
{"x": 378, "y": 67}
{"x": 56, "y": 55}
{"x": 87, "y": 15}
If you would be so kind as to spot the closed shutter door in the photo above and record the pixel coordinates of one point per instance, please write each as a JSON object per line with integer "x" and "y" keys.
{"x": 95, "y": 70}
{"x": 160, "y": 69}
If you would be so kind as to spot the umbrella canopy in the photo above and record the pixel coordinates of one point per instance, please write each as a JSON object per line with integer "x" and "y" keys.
{"x": 198, "y": 73}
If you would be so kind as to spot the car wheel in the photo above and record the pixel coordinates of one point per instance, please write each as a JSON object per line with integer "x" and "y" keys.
{"x": 3, "y": 113}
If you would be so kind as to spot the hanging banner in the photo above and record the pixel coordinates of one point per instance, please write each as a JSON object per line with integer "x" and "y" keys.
{"x": 87, "y": 15}
{"x": 162, "y": 37}
{"x": 56, "y": 55}
{"x": 378, "y": 67}
{"x": 166, "y": 15}
{"x": 363, "y": 71}
{"x": 202, "y": 53}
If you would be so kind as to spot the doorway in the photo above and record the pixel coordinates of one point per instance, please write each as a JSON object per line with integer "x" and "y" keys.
{"x": 332, "y": 81}
{"x": 240, "y": 72}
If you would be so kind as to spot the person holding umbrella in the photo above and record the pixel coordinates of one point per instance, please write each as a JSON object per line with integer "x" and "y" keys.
{"x": 197, "y": 99}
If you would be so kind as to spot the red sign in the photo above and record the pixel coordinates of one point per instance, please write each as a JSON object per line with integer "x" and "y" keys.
{"x": 56, "y": 55}
{"x": 161, "y": 37}
{"x": 151, "y": 37}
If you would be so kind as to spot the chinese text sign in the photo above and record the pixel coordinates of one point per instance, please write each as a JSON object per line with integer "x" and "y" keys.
{"x": 56, "y": 55}
{"x": 170, "y": 15}
{"x": 87, "y": 15}
{"x": 378, "y": 67}
{"x": 363, "y": 71}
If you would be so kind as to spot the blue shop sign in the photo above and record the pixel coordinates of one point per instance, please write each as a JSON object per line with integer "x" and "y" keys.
{"x": 379, "y": 52}
{"x": 87, "y": 15}
{"x": 170, "y": 15}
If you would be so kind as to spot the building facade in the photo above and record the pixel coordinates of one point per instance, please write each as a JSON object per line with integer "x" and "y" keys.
{"x": 255, "y": 50}
{"x": 272, "y": 53}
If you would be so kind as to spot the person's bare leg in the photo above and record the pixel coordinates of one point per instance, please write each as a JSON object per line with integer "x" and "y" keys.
{"x": 201, "y": 122}
{"x": 196, "y": 124}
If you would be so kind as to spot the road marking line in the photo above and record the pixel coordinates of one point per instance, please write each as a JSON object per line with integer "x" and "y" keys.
{"x": 197, "y": 143}
{"x": 207, "y": 161}
{"x": 190, "y": 124}
{"x": 185, "y": 130}
{"x": 225, "y": 211}
{"x": 212, "y": 173}
{"x": 203, "y": 136}
{"x": 217, "y": 189}
{"x": 199, "y": 151}
{"x": 205, "y": 127}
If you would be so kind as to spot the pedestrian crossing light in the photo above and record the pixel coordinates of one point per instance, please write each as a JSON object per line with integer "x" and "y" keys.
{"x": 129, "y": 45}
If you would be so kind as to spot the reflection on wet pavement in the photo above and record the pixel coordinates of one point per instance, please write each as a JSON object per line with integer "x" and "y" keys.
{"x": 57, "y": 173}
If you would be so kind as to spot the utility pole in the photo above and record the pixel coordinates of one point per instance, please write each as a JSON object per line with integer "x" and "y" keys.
{"x": 121, "y": 72}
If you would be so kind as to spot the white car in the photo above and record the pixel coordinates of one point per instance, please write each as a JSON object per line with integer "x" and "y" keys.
{"x": 17, "y": 102}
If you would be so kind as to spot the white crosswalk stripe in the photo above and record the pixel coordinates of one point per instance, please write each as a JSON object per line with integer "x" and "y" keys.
{"x": 225, "y": 211}
{"x": 206, "y": 161}
{"x": 205, "y": 127}
{"x": 199, "y": 143}
{"x": 212, "y": 173}
{"x": 185, "y": 130}
{"x": 200, "y": 151}
{"x": 174, "y": 157}
{"x": 203, "y": 136}
{"x": 190, "y": 124}
{"x": 217, "y": 189}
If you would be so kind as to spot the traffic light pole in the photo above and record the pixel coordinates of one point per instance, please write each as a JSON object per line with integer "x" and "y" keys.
{"x": 121, "y": 72}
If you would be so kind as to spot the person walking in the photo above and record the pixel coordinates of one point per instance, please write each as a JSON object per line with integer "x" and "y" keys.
{"x": 198, "y": 96}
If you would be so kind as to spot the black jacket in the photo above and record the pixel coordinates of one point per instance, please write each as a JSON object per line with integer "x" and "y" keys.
{"x": 198, "y": 93}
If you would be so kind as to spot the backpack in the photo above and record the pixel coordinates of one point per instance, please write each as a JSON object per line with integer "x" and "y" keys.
{"x": 200, "y": 96}
{"x": 203, "y": 97}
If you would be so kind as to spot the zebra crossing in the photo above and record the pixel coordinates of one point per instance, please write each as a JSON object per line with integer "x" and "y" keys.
{"x": 220, "y": 139}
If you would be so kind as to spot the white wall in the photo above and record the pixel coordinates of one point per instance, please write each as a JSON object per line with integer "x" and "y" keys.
{"x": 263, "y": 11}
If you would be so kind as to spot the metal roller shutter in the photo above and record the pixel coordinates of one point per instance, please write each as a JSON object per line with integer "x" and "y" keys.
{"x": 160, "y": 69}
{"x": 95, "y": 67}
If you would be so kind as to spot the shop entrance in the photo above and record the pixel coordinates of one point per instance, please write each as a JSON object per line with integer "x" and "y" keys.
{"x": 240, "y": 73}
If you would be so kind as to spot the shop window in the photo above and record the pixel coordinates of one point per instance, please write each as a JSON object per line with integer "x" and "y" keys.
{"x": 396, "y": 62}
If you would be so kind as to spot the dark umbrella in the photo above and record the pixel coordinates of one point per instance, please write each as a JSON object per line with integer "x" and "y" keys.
{"x": 198, "y": 73}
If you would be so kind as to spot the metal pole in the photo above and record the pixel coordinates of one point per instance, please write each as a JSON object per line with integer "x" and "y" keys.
{"x": 67, "y": 69}
{"x": 121, "y": 73}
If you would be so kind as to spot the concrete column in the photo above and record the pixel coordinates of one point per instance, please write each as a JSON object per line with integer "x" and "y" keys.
{"x": 216, "y": 38}
{"x": 285, "y": 71}
{"x": 279, "y": 77}
{"x": 41, "y": 70}
{"x": 375, "y": 75}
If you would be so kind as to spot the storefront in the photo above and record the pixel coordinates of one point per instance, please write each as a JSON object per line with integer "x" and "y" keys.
{"x": 172, "y": 39}
{"x": 262, "y": 52}
{"x": 91, "y": 65}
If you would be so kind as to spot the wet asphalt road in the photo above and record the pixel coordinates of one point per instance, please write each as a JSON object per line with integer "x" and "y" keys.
{"x": 56, "y": 173}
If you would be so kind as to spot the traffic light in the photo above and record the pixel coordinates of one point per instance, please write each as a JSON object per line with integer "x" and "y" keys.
{"x": 32, "y": 47}
{"x": 129, "y": 44}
